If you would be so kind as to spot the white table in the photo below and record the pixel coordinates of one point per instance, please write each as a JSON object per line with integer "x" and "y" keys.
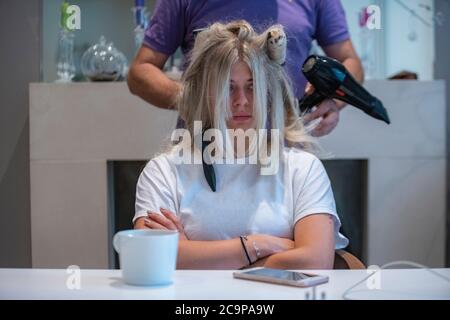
{"x": 220, "y": 285}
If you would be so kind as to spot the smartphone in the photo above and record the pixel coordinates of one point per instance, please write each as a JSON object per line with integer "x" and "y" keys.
{"x": 291, "y": 278}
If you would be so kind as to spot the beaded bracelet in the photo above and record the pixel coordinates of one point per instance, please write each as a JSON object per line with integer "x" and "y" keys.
{"x": 258, "y": 252}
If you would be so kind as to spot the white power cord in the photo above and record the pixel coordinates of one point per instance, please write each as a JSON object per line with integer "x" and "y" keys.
{"x": 390, "y": 264}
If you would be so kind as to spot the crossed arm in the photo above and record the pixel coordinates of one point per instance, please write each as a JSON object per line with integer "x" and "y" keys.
{"x": 312, "y": 248}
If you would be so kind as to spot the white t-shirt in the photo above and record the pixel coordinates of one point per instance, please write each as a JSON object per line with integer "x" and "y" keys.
{"x": 245, "y": 202}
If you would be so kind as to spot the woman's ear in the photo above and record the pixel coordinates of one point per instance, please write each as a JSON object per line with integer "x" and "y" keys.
{"x": 276, "y": 43}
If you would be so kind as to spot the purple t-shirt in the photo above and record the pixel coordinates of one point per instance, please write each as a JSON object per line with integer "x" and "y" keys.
{"x": 174, "y": 21}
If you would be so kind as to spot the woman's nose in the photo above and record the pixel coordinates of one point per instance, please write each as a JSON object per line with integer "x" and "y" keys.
{"x": 240, "y": 98}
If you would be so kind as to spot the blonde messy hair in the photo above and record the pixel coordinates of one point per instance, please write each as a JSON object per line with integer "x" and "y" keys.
{"x": 206, "y": 97}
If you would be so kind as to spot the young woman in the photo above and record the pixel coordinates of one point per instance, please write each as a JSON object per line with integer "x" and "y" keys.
{"x": 283, "y": 219}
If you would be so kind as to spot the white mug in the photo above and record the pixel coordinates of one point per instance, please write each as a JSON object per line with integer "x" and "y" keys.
{"x": 147, "y": 257}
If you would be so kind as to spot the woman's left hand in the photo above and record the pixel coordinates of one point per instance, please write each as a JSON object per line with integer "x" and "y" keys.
{"x": 165, "y": 221}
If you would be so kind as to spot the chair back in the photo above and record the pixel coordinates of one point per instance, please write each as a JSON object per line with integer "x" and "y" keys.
{"x": 346, "y": 260}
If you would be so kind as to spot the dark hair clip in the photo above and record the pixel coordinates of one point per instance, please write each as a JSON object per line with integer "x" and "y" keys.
{"x": 208, "y": 169}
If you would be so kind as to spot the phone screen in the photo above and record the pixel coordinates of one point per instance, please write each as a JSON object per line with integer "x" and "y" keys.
{"x": 280, "y": 274}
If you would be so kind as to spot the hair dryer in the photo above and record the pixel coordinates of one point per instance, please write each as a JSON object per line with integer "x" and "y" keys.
{"x": 332, "y": 81}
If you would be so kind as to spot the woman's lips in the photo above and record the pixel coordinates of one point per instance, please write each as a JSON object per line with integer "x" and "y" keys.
{"x": 242, "y": 118}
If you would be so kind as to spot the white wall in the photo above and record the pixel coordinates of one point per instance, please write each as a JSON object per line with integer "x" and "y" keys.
{"x": 402, "y": 53}
{"x": 368, "y": 43}
{"x": 391, "y": 48}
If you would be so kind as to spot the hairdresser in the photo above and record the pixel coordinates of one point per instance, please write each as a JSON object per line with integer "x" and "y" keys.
{"x": 174, "y": 22}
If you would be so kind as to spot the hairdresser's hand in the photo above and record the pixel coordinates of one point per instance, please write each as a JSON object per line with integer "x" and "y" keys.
{"x": 328, "y": 110}
{"x": 165, "y": 221}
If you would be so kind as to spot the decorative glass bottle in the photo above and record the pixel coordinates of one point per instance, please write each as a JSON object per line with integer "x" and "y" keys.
{"x": 103, "y": 62}
{"x": 140, "y": 20}
{"x": 65, "y": 67}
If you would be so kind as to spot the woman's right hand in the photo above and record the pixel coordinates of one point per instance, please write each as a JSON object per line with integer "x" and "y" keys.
{"x": 268, "y": 245}
{"x": 165, "y": 221}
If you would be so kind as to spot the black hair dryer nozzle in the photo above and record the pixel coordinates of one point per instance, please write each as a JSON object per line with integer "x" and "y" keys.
{"x": 331, "y": 80}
